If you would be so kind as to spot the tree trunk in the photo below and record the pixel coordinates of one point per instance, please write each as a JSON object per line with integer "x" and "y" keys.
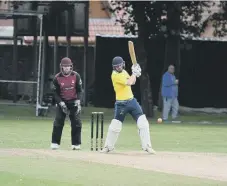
{"x": 145, "y": 87}
{"x": 143, "y": 35}
{"x": 146, "y": 95}
{"x": 172, "y": 48}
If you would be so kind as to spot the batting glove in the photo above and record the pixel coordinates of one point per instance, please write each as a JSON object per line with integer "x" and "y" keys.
{"x": 136, "y": 70}
{"x": 63, "y": 107}
{"x": 136, "y": 67}
{"x": 137, "y": 74}
{"x": 78, "y": 105}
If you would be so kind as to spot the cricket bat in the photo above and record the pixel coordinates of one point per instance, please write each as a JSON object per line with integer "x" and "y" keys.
{"x": 132, "y": 52}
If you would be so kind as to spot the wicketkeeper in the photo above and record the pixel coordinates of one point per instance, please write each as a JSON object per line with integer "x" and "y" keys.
{"x": 126, "y": 103}
{"x": 67, "y": 93}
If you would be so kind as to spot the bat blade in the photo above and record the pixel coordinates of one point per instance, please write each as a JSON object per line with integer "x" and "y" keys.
{"x": 132, "y": 52}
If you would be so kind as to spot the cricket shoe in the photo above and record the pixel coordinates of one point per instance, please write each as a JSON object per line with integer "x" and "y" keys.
{"x": 150, "y": 150}
{"x": 54, "y": 146}
{"x": 75, "y": 147}
{"x": 106, "y": 150}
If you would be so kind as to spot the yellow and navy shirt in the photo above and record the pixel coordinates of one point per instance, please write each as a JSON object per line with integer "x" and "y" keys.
{"x": 122, "y": 90}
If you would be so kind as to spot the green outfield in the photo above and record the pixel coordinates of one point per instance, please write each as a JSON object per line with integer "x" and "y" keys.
{"x": 25, "y": 158}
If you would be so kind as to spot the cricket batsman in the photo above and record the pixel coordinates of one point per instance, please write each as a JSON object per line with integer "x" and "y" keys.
{"x": 67, "y": 92}
{"x": 126, "y": 103}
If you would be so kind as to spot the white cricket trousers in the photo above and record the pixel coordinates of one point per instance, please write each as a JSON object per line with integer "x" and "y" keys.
{"x": 170, "y": 104}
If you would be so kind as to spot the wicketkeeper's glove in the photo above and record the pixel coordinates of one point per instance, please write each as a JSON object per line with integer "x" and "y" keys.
{"x": 63, "y": 107}
{"x": 136, "y": 70}
{"x": 78, "y": 105}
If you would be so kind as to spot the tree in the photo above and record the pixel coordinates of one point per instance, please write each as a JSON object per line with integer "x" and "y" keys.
{"x": 167, "y": 19}
{"x": 218, "y": 19}
{"x": 135, "y": 21}
{"x": 140, "y": 19}
{"x": 182, "y": 19}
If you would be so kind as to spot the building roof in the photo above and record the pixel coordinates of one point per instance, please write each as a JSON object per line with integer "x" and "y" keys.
{"x": 6, "y": 22}
{"x": 102, "y": 26}
{"x": 96, "y": 27}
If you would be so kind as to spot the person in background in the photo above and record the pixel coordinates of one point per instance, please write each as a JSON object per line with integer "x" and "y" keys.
{"x": 170, "y": 93}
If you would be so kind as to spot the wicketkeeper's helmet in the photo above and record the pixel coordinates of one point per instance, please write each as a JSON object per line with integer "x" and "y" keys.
{"x": 65, "y": 62}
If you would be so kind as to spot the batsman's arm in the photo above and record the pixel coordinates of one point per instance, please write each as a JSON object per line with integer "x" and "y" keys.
{"x": 78, "y": 86}
{"x": 131, "y": 80}
{"x": 56, "y": 90}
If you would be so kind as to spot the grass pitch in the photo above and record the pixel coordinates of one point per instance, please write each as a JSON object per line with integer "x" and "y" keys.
{"x": 19, "y": 129}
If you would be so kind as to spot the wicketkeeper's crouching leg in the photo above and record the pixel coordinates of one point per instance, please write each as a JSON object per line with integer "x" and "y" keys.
{"x": 112, "y": 135}
{"x": 144, "y": 133}
{"x": 57, "y": 128}
{"x": 76, "y": 126}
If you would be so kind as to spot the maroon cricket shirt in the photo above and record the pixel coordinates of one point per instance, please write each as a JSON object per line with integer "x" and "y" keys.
{"x": 67, "y": 87}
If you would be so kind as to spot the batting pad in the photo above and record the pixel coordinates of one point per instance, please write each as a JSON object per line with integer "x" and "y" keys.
{"x": 113, "y": 133}
{"x": 144, "y": 132}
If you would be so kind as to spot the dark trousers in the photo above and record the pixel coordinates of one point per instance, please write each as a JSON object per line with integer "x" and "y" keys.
{"x": 59, "y": 122}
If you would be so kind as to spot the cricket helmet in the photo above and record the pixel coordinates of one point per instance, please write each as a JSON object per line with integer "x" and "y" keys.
{"x": 66, "y": 62}
{"x": 118, "y": 63}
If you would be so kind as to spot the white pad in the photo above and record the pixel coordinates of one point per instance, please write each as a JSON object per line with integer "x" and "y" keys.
{"x": 144, "y": 132}
{"x": 113, "y": 133}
